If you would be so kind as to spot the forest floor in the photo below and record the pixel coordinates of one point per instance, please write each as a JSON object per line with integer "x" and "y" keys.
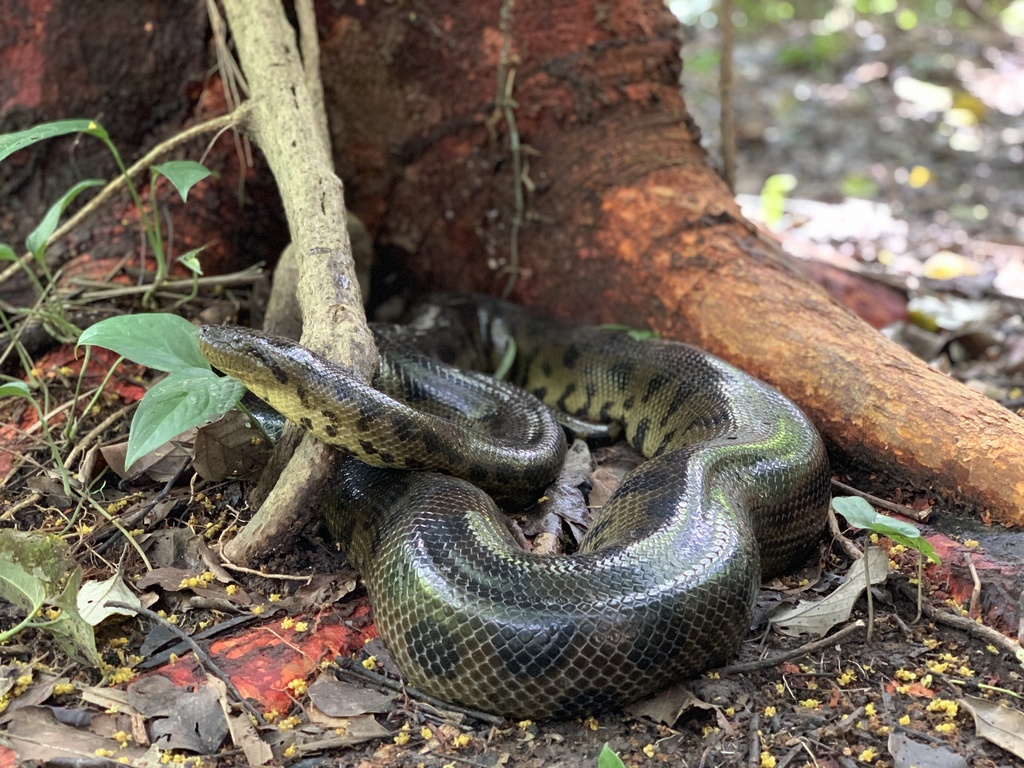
{"x": 909, "y": 187}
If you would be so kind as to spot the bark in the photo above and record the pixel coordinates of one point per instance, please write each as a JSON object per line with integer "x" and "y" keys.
{"x": 623, "y": 221}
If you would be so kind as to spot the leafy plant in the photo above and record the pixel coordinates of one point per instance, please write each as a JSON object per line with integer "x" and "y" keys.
{"x": 858, "y": 513}
{"x": 189, "y": 396}
{"x": 16, "y": 388}
{"x": 609, "y": 759}
{"x": 183, "y": 175}
{"x": 35, "y": 572}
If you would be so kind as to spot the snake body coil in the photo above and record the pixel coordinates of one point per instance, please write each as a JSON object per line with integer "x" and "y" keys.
{"x": 735, "y": 489}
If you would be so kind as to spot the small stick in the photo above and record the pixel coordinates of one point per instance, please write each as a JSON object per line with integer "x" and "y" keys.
{"x": 900, "y": 509}
{"x": 824, "y": 642}
{"x": 976, "y": 592}
{"x": 347, "y": 665}
{"x": 968, "y": 625}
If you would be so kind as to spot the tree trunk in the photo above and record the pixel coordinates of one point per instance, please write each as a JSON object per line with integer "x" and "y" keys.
{"x": 623, "y": 220}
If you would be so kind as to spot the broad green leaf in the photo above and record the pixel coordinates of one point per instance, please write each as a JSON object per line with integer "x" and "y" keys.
{"x": 609, "y": 759}
{"x": 12, "y": 142}
{"x": 18, "y": 585}
{"x": 7, "y": 253}
{"x": 160, "y": 341}
{"x": 191, "y": 259}
{"x": 185, "y": 399}
{"x": 31, "y": 569}
{"x": 36, "y": 241}
{"x": 43, "y": 557}
{"x": 860, "y": 514}
{"x": 73, "y": 634}
{"x": 183, "y": 174}
{"x": 14, "y": 389}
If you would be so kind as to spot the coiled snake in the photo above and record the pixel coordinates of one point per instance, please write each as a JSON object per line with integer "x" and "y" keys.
{"x": 735, "y": 489}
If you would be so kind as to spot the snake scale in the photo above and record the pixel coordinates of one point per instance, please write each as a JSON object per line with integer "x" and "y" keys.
{"x": 735, "y": 489}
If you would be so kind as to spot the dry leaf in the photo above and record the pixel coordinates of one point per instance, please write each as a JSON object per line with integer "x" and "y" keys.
{"x": 94, "y": 595}
{"x": 1000, "y": 724}
{"x": 817, "y": 617}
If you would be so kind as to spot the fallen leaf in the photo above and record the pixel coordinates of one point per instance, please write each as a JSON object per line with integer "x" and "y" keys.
{"x": 39, "y": 691}
{"x": 337, "y": 698}
{"x": 36, "y": 735}
{"x": 230, "y": 448}
{"x": 817, "y": 617}
{"x": 907, "y": 753}
{"x": 94, "y": 596}
{"x": 998, "y": 723}
{"x": 179, "y": 718}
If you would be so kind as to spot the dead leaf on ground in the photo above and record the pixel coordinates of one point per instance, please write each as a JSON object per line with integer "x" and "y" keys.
{"x": 93, "y": 597}
{"x": 35, "y": 734}
{"x": 179, "y": 718}
{"x": 38, "y": 691}
{"x": 817, "y": 617}
{"x": 339, "y": 698}
{"x": 160, "y": 465}
{"x": 229, "y": 448}
{"x": 907, "y": 753}
{"x": 243, "y": 733}
{"x": 669, "y": 705}
{"x": 1000, "y": 724}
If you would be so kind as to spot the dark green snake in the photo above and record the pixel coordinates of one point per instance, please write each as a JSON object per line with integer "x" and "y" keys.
{"x": 735, "y": 489}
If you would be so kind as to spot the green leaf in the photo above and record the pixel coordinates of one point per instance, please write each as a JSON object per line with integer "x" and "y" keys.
{"x": 638, "y": 334}
{"x": 19, "y": 585}
{"x": 609, "y": 759}
{"x": 12, "y": 142}
{"x": 191, "y": 260}
{"x": 31, "y": 570}
{"x": 185, "y": 399}
{"x": 15, "y": 389}
{"x": 7, "y": 253}
{"x": 36, "y": 241}
{"x": 860, "y": 514}
{"x": 773, "y": 196}
{"x": 73, "y": 634}
{"x": 160, "y": 341}
{"x": 183, "y": 174}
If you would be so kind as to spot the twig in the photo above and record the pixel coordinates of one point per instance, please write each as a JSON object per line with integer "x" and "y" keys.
{"x": 900, "y": 509}
{"x": 201, "y": 655}
{"x": 727, "y": 121}
{"x": 28, "y": 501}
{"x": 506, "y": 104}
{"x": 754, "y": 752}
{"x": 824, "y": 642}
{"x": 972, "y": 610}
{"x": 852, "y": 550}
{"x": 228, "y": 565}
{"x": 968, "y": 625}
{"x": 93, "y": 434}
{"x": 347, "y": 665}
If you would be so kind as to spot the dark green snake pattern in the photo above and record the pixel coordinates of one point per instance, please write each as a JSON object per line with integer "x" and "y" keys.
{"x": 735, "y": 489}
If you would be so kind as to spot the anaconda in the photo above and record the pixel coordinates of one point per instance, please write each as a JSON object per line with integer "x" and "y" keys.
{"x": 735, "y": 489}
